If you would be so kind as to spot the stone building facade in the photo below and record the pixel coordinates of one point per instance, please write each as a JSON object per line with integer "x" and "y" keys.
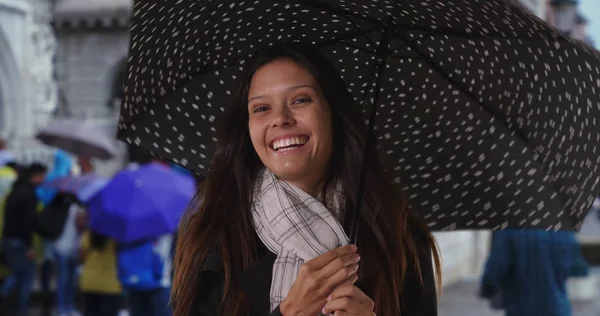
{"x": 28, "y": 93}
{"x": 93, "y": 40}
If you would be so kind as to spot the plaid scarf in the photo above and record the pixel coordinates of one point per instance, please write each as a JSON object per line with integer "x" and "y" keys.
{"x": 295, "y": 226}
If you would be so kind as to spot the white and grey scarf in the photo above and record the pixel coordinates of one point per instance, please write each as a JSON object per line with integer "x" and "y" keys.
{"x": 295, "y": 226}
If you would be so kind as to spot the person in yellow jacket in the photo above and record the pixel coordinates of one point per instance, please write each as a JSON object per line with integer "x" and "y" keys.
{"x": 8, "y": 175}
{"x": 99, "y": 281}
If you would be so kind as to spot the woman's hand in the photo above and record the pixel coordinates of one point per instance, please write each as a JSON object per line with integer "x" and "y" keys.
{"x": 349, "y": 300}
{"x": 318, "y": 278}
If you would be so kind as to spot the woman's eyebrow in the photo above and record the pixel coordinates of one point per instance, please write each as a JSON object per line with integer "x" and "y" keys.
{"x": 289, "y": 89}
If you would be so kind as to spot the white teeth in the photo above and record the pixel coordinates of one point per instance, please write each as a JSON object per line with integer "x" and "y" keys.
{"x": 284, "y": 143}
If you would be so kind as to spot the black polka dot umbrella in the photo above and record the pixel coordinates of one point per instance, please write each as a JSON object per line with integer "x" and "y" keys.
{"x": 489, "y": 116}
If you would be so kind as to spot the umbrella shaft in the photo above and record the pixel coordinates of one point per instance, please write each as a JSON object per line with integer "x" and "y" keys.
{"x": 370, "y": 142}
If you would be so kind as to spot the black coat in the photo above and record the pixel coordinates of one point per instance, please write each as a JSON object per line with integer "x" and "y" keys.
{"x": 20, "y": 212}
{"x": 417, "y": 300}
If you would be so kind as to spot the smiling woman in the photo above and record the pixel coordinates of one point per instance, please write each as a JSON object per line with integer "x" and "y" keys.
{"x": 290, "y": 124}
{"x": 275, "y": 243}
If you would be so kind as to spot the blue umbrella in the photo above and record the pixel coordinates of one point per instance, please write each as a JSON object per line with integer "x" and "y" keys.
{"x": 62, "y": 168}
{"x": 141, "y": 203}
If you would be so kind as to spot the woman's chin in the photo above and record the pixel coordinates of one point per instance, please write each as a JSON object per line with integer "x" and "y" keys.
{"x": 302, "y": 178}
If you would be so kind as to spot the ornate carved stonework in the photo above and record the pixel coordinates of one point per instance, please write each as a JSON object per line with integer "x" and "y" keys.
{"x": 40, "y": 69}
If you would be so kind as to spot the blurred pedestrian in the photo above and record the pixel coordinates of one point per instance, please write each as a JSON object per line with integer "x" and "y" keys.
{"x": 527, "y": 270}
{"x": 8, "y": 175}
{"x": 61, "y": 168}
{"x": 144, "y": 270}
{"x": 99, "y": 282}
{"x": 20, "y": 212}
{"x": 66, "y": 257}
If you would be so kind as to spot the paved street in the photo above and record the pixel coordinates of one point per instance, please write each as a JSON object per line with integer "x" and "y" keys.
{"x": 591, "y": 226}
{"x": 461, "y": 300}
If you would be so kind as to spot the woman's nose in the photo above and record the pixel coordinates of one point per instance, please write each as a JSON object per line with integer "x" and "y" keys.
{"x": 283, "y": 117}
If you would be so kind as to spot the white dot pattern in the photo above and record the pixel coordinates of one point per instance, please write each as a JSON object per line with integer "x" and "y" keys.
{"x": 487, "y": 116}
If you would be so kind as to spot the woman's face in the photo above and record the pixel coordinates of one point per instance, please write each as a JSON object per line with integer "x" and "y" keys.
{"x": 290, "y": 124}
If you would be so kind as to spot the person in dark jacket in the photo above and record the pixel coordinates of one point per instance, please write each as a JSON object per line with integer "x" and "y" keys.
{"x": 527, "y": 271}
{"x": 268, "y": 235}
{"x": 20, "y": 212}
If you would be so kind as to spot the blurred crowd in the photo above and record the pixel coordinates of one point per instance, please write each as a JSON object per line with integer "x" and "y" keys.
{"x": 47, "y": 243}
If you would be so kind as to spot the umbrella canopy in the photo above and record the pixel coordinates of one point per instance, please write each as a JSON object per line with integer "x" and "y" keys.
{"x": 487, "y": 114}
{"x": 83, "y": 186}
{"x": 78, "y": 138}
{"x": 141, "y": 203}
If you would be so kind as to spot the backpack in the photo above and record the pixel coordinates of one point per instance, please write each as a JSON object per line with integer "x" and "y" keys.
{"x": 51, "y": 222}
{"x": 139, "y": 267}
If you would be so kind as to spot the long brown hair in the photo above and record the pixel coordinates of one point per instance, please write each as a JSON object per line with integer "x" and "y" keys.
{"x": 394, "y": 236}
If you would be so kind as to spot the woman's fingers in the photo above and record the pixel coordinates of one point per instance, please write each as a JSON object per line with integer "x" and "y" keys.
{"x": 347, "y": 276}
{"x": 346, "y": 263}
{"x": 342, "y": 313}
{"x": 346, "y": 306}
{"x": 353, "y": 293}
{"x": 317, "y": 278}
{"x": 325, "y": 259}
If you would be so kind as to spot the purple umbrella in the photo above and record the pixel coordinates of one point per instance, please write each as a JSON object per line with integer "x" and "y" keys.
{"x": 84, "y": 186}
{"x": 141, "y": 203}
{"x": 78, "y": 138}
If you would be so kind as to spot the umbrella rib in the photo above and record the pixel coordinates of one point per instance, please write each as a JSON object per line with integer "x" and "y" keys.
{"x": 442, "y": 31}
{"x": 339, "y": 11}
{"x": 231, "y": 61}
{"x": 364, "y": 49}
{"x": 342, "y": 40}
{"x": 348, "y": 14}
{"x": 377, "y": 71}
{"x": 471, "y": 35}
{"x": 365, "y": 35}
{"x": 399, "y": 56}
{"x": 504, "y": 119}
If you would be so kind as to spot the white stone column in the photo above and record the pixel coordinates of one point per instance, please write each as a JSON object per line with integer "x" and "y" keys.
{"x": 27, "y": 46}
{"x": 13, "y": 30}
{"x": 42, "y": 87}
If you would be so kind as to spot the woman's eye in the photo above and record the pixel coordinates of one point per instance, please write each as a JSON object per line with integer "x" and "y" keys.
{"x": 260, "y": 109}
{"x": 302, "y": 100}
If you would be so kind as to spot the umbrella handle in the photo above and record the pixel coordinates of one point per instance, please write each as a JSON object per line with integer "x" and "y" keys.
{"x": 378, "y": 68}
